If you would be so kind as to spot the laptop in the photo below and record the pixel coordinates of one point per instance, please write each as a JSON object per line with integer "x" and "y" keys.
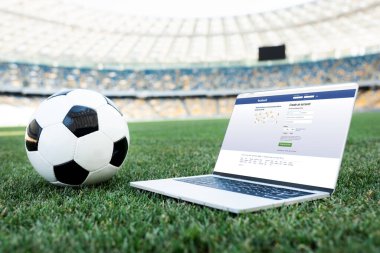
{"x": 281, "y": 147}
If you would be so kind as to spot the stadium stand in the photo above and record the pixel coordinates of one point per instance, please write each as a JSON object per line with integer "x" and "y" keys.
{"x": 17, "y": 109}
{"x": 351, "y": 69}
{"x": 180, "y": 93}
{"x": 368, "y": 99}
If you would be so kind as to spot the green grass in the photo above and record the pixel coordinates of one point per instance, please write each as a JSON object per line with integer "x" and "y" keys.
{"x": 38, "y": 217}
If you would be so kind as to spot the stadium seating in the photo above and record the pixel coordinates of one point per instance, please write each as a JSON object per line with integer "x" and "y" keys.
{"x": 368, "y": 99}
{"x": 43, "y": 80}
{"x": 15, "y": 110}
{"x": 362, "y": 68}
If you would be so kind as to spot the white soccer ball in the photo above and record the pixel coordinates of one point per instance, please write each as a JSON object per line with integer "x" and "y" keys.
{"x": 77, "y": 137}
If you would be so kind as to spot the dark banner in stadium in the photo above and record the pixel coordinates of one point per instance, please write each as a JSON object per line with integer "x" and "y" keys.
{"x": 272, "y": 53}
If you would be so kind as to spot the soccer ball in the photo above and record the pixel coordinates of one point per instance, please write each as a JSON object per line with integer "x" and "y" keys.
{"x": 77, "y": 137}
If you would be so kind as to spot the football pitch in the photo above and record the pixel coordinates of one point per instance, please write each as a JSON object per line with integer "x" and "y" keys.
{"x": 36, "y": 216}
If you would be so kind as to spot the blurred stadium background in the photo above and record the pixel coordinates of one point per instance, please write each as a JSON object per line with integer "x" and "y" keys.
{"x": 157, "y": 67}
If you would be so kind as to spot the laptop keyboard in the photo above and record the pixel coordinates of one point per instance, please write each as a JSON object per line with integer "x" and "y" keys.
{"x": 258, "y": 190}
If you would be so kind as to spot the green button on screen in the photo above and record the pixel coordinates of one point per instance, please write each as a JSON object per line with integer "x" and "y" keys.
{"x": 285, "y": 144}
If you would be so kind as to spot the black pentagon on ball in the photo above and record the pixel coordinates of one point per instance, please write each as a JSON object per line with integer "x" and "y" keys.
{"x": 61, "y": 93}
{"x": 32, "y": 137}
{"x": 81, "y": 120}
{"x": 120, "y": 149}
{"x": 109, "y": 101}
{"x": 70, "y": 173}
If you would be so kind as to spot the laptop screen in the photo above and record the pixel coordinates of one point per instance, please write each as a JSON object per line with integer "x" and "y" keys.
{"x": 295, "y": 135}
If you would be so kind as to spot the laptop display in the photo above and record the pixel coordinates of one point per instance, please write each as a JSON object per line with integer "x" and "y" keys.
{"x": 296, "y": 137}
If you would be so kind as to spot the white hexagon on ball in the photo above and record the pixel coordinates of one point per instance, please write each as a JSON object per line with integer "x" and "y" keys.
{"x": 57, "y": 144}
{"x": 93, "y": 151}
{"x": 43, "y": 167}
{"x": 111, "y": 123}
{"x": 87, "y": 98}
{"x": 53, "y": 111}
{"x": 101, "y": 175}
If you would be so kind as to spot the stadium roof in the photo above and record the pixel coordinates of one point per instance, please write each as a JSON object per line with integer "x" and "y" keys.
{"x": 66, "y": 32}
{"x": 188, "y": 9}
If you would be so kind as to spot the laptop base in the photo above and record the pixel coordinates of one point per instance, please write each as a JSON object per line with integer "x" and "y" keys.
{"x": 216, "y": 198}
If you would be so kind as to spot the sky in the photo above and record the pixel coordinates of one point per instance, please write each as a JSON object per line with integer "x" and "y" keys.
{"x": 189, "y": 8}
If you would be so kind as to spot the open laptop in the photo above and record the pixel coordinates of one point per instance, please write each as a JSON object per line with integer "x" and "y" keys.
{"x": 281, "y": 147}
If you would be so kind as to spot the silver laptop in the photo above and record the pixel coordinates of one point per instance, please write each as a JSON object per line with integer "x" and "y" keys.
{"x": 281, "y": 147}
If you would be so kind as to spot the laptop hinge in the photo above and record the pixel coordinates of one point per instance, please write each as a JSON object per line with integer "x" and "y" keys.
{"x": 275, "y": 182}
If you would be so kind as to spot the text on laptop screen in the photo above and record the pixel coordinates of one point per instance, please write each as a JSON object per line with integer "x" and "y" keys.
{"x": 297, "y": 138}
